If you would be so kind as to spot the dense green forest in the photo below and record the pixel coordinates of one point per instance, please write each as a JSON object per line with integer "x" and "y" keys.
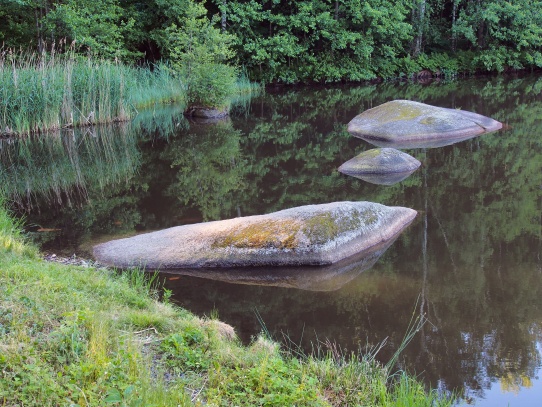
{"x": 290, "y": 41}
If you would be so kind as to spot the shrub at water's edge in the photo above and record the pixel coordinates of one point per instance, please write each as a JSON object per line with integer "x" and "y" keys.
{"x": 200, "y": 53}
{"x": 84, "y": 336}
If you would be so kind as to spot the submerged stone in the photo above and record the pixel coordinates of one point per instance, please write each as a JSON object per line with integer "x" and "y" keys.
{"x": 209, "y": 113}
{"x": 209, "y": 120}
{"x": 307, "y": 235}
{"x": 404, "y": 124}
{"x": 380, "y": 161}
{"x": 384, "y": 166}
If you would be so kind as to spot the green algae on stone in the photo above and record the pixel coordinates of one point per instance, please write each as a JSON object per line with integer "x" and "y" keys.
{"x": 284, "y": 234}
{"x": 279, "y": 234}
{"x": 325, "y": 227}
{"x": 428, "y": 120}
{"x": 321, "y": 228}
{"x": 408, "y": 124}
{"x": 373, "y": 153}
{"x": 388, "y": 112}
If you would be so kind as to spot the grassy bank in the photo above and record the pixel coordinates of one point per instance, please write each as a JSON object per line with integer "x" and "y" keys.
{"x": 89, "y": 337}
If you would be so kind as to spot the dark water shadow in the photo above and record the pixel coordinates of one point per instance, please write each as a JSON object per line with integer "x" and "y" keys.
{"x": 382, "y": 179}
{"x": 427, "y": 143}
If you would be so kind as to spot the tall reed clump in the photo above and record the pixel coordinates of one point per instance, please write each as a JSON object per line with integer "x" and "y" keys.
{"x": 244, "y": 86}
{"x": 157, "y": 84}
{"x": 50, "y": 91}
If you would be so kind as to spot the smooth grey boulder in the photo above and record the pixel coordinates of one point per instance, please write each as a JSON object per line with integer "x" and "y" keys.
{"x": 306, "y": 235}
{"x": 408, "y": 124}
{"x": 381, "y": 166}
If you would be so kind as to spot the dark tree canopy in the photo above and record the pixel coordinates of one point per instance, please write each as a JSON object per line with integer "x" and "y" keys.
{"x": 298, "y": 41}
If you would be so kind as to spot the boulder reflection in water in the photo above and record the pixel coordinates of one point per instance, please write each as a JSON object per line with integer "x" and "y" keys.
{"x": 313, "y": 278}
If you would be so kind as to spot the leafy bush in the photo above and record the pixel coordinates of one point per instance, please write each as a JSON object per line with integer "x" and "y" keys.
{"x": 211, "y": 85}
{"x": 199, "y": 52}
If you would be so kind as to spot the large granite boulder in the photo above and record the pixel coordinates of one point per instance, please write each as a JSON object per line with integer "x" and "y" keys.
{"x": 408, "y": 124}
{"x": 307, "y": 235}
{"x": 381, "y": 166}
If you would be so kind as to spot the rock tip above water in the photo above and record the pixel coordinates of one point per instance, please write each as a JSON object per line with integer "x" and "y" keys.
{"x": 380, "y": 161}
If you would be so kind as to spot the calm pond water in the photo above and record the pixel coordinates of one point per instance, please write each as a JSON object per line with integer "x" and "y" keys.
{"x": 471, "y": 261}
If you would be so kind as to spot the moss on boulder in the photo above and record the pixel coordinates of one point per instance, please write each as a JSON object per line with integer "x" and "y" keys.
{"x": 307, "y": 235}
{"x": 408, "y": 124}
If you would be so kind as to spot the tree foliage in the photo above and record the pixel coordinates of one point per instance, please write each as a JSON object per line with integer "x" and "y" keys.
{"x": 200, "y": 53}
{"x": 99, "y": 27}
{"x": 293, "y": 41}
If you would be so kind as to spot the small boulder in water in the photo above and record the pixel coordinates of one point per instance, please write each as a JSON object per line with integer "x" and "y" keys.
{"x": 380, "y": 161}
{"x": 384, "y": 166}
{"x": 204, "y": 112}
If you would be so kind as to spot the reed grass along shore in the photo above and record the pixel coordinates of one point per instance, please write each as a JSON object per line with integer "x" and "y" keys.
{"x": 51, "y": 91}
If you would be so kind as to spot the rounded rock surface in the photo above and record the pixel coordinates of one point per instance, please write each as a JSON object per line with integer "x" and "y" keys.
{"x": 404, "y": 123}
{"x": 380, "y": 161}
{"x": 307, "y": 235}
{"x": 382, "y": 166}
